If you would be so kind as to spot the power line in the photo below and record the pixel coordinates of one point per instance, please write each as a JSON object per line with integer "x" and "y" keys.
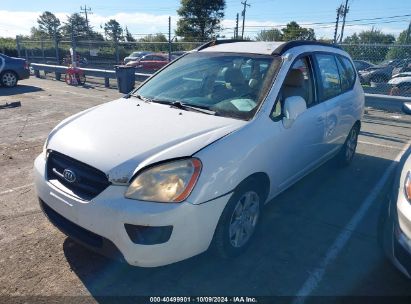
{"x": 333, "y": 22}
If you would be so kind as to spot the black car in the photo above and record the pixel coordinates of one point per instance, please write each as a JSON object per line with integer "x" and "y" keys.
{"x": 361, "y": 65}
{"x": 12, "y": 70}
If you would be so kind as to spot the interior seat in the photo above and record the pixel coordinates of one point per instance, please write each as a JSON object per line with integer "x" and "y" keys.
{"x": 294, "y": 85}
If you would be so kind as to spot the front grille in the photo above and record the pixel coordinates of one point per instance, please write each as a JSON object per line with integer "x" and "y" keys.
{"x": 88, "y": 181}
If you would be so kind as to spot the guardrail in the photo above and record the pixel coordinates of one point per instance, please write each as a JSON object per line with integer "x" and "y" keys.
{"x": 58, "y": 70}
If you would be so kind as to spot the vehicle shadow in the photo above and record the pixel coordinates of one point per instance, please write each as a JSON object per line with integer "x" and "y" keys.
{"x": 19, "y": 89}
{"x": 296, "y": 230}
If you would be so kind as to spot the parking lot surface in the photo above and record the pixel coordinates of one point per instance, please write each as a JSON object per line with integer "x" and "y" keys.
{"x": 320, "y": 237}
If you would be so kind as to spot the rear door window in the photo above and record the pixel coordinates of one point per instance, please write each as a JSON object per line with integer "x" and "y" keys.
{"x": 347, "y": 73}
{"x": 329, "y": 82}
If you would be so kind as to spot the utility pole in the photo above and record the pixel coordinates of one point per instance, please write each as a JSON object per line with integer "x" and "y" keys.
{"x": 236, "y": 28}
{"x": 86, "y": 10}
{"x": 339, "y": 14}
{"x": 346, "y": 9}
{"x": 169, "y": 38}
{"x": 243, "y": 14}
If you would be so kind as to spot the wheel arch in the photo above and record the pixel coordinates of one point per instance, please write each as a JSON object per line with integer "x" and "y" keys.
{"x": 8, "y": 70}
{"x": 263, "y": 181}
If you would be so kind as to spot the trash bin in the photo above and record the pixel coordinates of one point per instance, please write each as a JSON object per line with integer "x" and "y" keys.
{"x": 125, "y": 78}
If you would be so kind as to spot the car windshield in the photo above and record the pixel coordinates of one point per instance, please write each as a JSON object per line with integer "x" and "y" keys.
{"x": 226, "y": 84}
{"x": 135, "y": 54}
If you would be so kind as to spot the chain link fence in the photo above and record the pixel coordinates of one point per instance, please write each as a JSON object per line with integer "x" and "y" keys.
{"x": 93, "y": 54}
{"x": 383, "y": 69}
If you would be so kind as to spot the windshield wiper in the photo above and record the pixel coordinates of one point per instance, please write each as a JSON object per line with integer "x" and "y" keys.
{"x": 187, "y": 107}
{"x": 138, "y": 96}
{"x": 177, "y": 104}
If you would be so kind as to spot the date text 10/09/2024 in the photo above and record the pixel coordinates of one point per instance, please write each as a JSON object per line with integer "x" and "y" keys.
{"x": 203, "y": 300}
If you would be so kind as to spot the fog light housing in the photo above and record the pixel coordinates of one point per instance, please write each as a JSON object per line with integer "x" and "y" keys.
{"x": 148, "y": 235}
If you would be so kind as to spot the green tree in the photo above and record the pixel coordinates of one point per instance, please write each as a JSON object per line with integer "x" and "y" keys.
{"x": 129, "y": 37}
{"x": 363, "y": 45}
{"x": 37, "y": 34}
{"x": 401, "y": 48}
{"x": 113, "y": 30}
{"x": 154, "y": 38}
{"x": 77, "y": 25}
{"x": 269, "y": 35}
{"x": 293, "y": 31}
{"x": 49, "y": 24}
{"x": 200, "y": 19}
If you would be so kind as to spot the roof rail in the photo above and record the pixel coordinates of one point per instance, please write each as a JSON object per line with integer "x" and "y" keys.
{"x": 216, "y": 42}
{"x": 289, "y": 45}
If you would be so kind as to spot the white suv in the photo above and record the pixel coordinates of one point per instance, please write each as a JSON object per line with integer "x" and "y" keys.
{"x": 187, "y": 160}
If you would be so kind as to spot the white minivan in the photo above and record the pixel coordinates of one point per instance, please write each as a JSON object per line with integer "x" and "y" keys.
{"x": 186, "y": 161}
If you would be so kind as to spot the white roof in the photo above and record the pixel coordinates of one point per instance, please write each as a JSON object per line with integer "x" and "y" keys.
{"x": 254, "y": 47}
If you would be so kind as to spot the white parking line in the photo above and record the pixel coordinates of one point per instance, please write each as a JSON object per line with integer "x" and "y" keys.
{"x": 316, "y": 276}
{"x": 15, "y": 189}
{"x": 379, "y": 145}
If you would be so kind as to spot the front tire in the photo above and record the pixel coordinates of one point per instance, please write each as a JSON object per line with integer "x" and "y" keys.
{"x": 347, "y": 151}
{"x": 238, "y": 222}
{"x": 8, "y": 79}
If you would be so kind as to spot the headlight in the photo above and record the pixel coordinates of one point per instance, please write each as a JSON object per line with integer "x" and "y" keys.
{"x": 407, "y": 186}
{"x": 166, "y": 183}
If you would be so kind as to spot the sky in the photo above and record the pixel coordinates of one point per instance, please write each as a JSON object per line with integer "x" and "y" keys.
{"x": 149, "y": 17}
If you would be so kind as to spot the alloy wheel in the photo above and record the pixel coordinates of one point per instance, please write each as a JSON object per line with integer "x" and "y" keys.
{"x": 9, "y": 79}
{"x": 244, "y": 219}
{"x": 351, "y": 144}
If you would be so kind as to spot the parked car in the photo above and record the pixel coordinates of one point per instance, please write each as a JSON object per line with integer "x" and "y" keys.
{"x": 135, "y": 56}
{"x": 150, "y": 62}
{"x": 178, "y": 53}
{"x": 361, "y": 65}
{"x": 401, "y": 84}
{"x": 396, "y": 234}
{"x": 382, "y": 73}
{"x": 12, "y": 70}
{"x": 377, "y": 74}
{"x": 186, "y": 161}
{"x": 403, "y": 66}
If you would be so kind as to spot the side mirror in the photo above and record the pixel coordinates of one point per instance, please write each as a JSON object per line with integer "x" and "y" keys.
{"x": 406, "y": 108}
{"x": 294, "y": 106}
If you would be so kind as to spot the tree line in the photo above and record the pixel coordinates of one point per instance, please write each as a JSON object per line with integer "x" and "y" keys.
{"x": 201, "y": 20}
{"x": 76, "y": 26}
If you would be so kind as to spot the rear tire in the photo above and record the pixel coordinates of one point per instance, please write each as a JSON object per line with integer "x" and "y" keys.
{"x": 238, "y": 222}
{"x": 347, "y": 152}
{"x": 8, "y": 79}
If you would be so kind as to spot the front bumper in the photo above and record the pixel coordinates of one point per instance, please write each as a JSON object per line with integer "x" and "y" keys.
{"x": 105, "y": 216}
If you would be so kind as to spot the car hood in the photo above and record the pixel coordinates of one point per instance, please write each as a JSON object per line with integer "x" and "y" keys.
{"x": 123, "y": 136}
